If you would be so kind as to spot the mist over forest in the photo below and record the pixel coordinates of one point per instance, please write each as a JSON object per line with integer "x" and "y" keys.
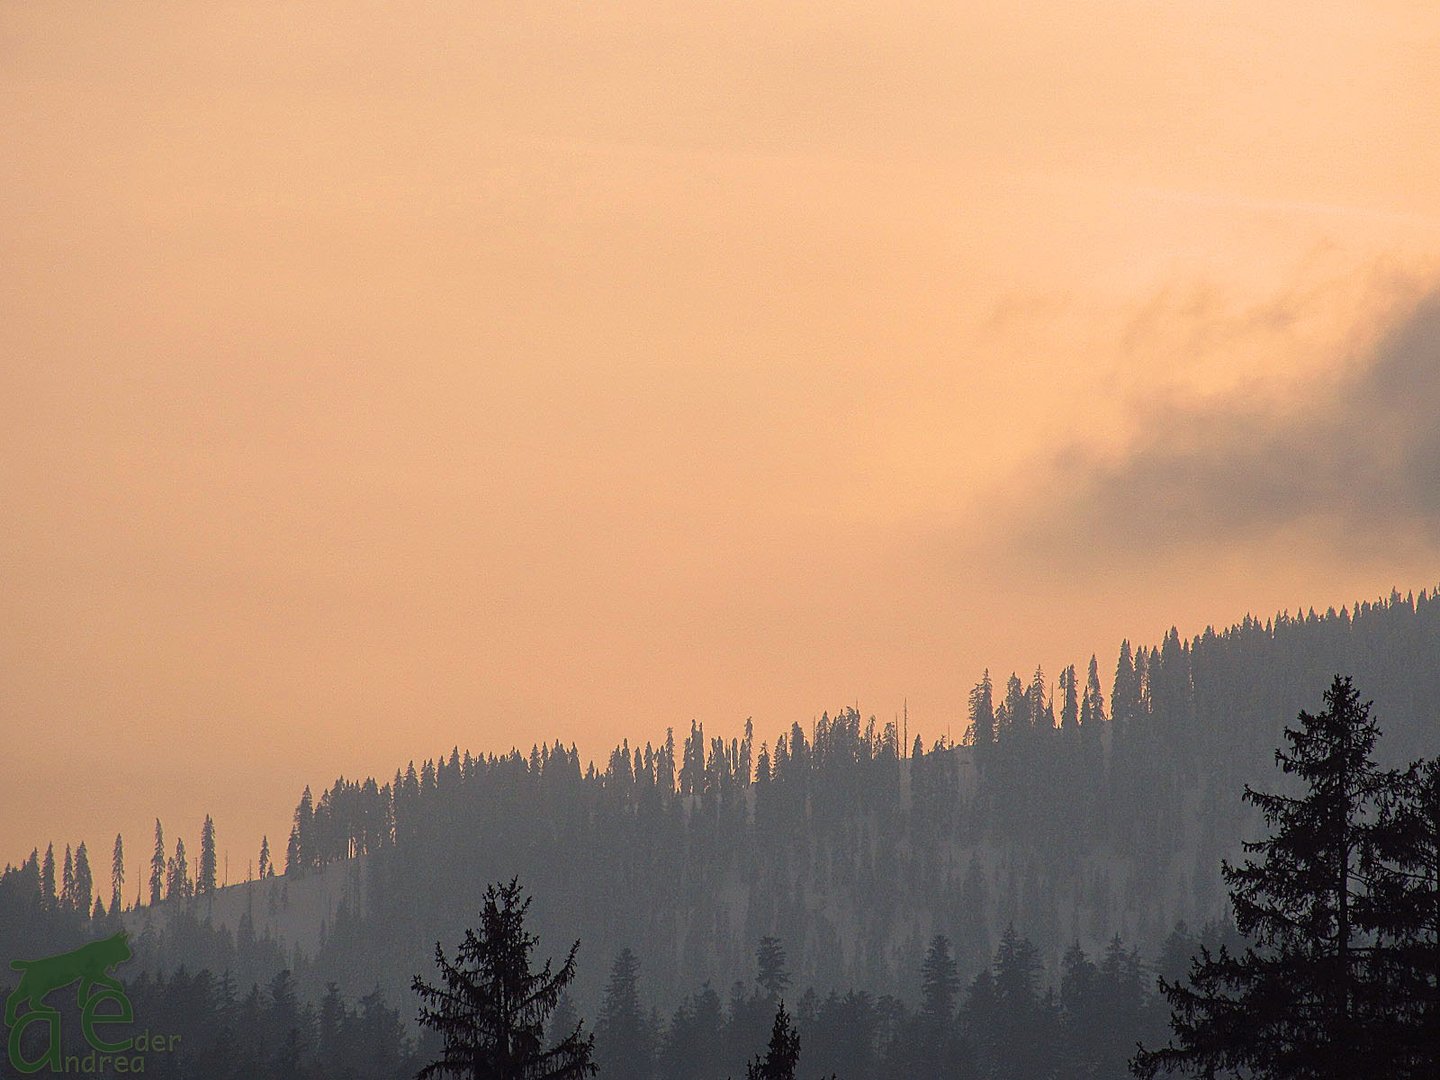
{"x": 465, "y": 465}
{"x": 997, "y": 906}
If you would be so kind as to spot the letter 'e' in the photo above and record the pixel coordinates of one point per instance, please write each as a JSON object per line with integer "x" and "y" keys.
{"x": 91, "y": 1018}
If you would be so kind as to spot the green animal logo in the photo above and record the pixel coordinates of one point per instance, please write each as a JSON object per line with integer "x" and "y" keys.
{"x": 88, "y": 964}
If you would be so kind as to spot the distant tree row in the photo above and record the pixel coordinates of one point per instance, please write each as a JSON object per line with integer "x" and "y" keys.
{"x": 1067, "y": 813}
{"x": 498, "y": 1015}
{"x": 1073, "y": 815}
{"x": 170, "y": 875}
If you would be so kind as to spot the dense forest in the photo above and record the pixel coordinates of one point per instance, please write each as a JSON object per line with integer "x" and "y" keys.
{"x": 1026, "y": 884}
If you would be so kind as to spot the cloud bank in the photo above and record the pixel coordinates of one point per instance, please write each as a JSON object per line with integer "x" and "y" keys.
{"x": 1355, "y": 462}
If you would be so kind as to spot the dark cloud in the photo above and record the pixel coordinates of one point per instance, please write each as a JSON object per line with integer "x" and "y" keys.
{"x": 1356, "y": 461}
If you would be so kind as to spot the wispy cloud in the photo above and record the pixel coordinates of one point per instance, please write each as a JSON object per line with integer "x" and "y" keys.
{"x": 1356, "y": 461}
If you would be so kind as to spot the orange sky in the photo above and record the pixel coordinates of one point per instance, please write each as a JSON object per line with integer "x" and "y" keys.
{"x": 378, "y": 377}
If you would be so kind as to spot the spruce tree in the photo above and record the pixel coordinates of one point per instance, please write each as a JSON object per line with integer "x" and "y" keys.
{"x": 117, "y": 875}
{"x": 205, "y": 874}
{"x": 624, "y": 1044}
{"x": 1013, "y": 1026}
{"x": 47, "y": 879}
{"x": 937, "y": 1049}
{"x": 1292, "y": 1004}
{"x": 67, "y": 882}
{"x": 770, "y": 960}
{"x": 265, "y": 868}
{"x": 1013, "y": 713}
{"x": 1124, "y": 691}
{"x": 490, "y": 1007}
{"x": 83, "y": 889}
{"x": 157, "y": 865}
{"x": 1403, "y": 913}
{"x": 781, "y": 1056}
{"x": 1070, "y": 699}
{"x": 939, "y": 982}
{"x": 982, "y": 712}
{"x": 1042, "y": 707}
{"x": 1092, "y": 705}
{"x": 299, "y": 853}
{"x": 177, "y": 874}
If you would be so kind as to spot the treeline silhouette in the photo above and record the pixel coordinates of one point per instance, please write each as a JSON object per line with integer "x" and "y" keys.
{"x": 1070, "y": 817}
{"x": 1006, "y": 1021}
{"x": 1071, "y": 813}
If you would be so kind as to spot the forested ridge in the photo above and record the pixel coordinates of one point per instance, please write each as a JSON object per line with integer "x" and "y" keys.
{"x": 1073, "y": 814}
{"x": 1049, "y": 857}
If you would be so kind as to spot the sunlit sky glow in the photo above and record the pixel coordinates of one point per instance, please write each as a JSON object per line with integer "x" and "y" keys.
{"x": 376, "y": 378}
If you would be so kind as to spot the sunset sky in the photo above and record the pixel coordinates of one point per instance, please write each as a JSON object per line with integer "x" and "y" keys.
{"x": 381, "y": 377}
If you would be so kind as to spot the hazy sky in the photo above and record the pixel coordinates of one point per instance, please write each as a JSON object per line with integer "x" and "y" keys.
{"x": 381, "y": 377}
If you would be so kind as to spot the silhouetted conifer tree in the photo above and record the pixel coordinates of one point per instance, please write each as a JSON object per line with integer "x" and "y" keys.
{"x": 772, "y": 975}
{"x": 67, "y": 882}
{"x": 624, "y": 1042}
{"x": 982, "y": 712}
{"x": 1070, "y": 698}
{"x": 117, "y": 875}
{"x": 83, "y": 887}
{"x": 1125, "y": 690}
{"x": 490, "y": 1008}
{"x": 177, "y": 874}
{"x": 157, "y": 865}
{"x": 298, "y": 853}
{"x": 1292, "y": 1004}
{"x": 1092, "y": 705}
{"x": 205, "y": 873}
{"x": 781, "y": 1056}
{"x": 939, "y": 981}
{"x": 1403, "y": 912}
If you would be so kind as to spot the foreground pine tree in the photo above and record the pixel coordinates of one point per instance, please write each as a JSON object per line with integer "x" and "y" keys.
{"x": 1296, "y": 1004}
{"x": 781, "y": 1056}
{"x": 1403, "y": 910}
{"x": 490, "y": 1009}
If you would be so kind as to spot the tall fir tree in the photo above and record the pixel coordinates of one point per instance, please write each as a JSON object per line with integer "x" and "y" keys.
{"x": 1042, "y": 705}
{"x": 177, "y": 874}
{"x": 782, "y": 1055}
{"x": 1070, "y": 699}
{"x": 982, "y": 712}
{"x": 1092, "y": 704}
{"x": 1125, "y": 692}
{"x": 84, "y": 885}
{"x": 205, "y": 872}
{"x": 117, "y": 876}
{"x": 67, "y": 882}
{"x": 490, "y": 1008}
{"x": 939, "y": 981}
{"x": 48, "y": 899}
{"x": 624, "y": 1042}
{"x": 1402, "y": 912}
{"x": 1013, "y": 714}
{"x": 1294, "y": 1004}
{"x": 157, "y": 865}
{"x": 771, "y": 973}
{"x": 299, "y": 854}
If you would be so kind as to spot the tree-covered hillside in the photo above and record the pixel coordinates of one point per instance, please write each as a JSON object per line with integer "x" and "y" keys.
{"x": 1075, "y": 810}
{"x": 1078, "y": 821}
